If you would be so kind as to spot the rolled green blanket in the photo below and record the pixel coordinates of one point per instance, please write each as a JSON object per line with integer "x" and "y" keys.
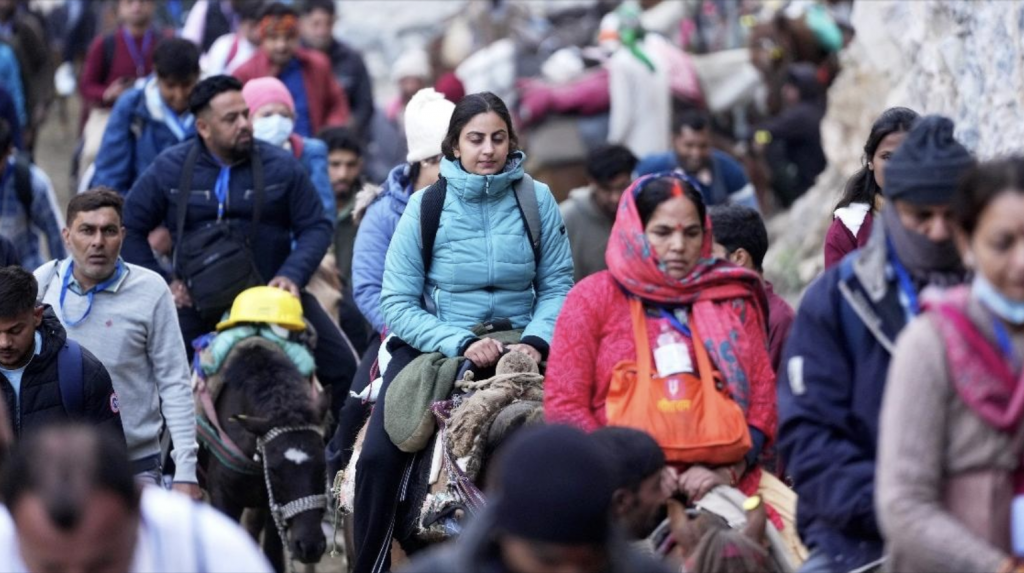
{"x": 429, "y": 378}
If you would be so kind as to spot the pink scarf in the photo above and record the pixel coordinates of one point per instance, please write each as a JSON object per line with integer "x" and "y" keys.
{"x": 980, "y": 373}
{"x": 728, "y": 302}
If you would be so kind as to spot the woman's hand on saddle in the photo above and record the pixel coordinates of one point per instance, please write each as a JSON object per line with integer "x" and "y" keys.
{"x": 485, "y": 352}
{"x": 528, "y": 350}
{"x": 697, "y": 481}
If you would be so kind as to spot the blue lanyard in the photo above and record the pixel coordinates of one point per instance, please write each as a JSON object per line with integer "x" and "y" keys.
{"x": 138, "y": 54}
{"x": 1003, "y": 339}
{"x": 221, "y": 189}
{"x": 89, "y": 294}
{"x": 184, "y": 127}
{"x": 671, "y": 318}
{"x": 903, "y": 279}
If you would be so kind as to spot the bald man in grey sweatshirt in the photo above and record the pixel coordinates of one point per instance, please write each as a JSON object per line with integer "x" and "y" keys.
{"x": 125, "y": 315}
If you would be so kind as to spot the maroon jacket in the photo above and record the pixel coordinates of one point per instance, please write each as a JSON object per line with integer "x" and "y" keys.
{"x": 95, "y": 80}
{"x": 780, "y": 320}
{"x": 328, "y": 104}
{"x": 839, "y": 241}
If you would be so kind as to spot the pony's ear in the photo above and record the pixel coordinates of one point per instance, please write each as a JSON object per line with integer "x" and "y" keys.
{"x": 256, "y": 426}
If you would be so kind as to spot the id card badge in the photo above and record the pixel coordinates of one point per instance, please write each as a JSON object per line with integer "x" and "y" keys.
{"x": 673, "y": 359}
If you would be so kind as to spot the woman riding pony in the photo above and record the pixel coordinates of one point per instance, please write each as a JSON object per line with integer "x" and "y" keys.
{"x": 483, "y": 268}
{"x": 700, "y": 325}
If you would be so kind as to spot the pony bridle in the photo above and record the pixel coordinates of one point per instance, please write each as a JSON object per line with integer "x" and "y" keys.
{"x": 282, "y": 513}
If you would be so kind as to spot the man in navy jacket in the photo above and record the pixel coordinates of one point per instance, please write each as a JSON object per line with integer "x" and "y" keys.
{"x": 836, "y": 361}
{"x": 293, "y": 233}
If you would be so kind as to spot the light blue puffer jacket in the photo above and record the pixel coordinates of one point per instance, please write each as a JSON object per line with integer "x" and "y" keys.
{"x": 482, "y": 268}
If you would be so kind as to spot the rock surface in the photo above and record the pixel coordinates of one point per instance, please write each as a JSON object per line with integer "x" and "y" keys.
{"x": 959, "y": 58}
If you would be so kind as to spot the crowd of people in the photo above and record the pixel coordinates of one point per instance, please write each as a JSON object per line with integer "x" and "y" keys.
{"x": 411, "y": 257}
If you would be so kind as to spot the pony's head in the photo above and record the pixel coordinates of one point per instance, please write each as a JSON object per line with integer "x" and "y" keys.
{"x": 285, "y": 420}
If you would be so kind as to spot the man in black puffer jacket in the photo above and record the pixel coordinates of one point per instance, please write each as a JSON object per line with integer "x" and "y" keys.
{"x": 31, "y": 342}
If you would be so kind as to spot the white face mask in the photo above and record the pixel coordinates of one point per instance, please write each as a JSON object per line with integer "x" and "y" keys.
{"x": 274, "y": 129}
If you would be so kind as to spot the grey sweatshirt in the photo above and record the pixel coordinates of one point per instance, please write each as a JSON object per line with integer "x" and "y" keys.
{"x": 133, "y": 329}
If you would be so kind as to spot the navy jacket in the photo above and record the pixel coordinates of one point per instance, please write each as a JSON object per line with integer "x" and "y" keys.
{"x": 830, "y": 395}
{"x": 291, "y": 209}
{"x": 729, "y": 184}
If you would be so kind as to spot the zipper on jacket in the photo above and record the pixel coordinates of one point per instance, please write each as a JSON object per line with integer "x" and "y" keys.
{"x": 490, "y": 251}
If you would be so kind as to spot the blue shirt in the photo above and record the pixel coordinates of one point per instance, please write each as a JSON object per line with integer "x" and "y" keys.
{"x": 14, "y": 377}
{"x": 292, "y": 78}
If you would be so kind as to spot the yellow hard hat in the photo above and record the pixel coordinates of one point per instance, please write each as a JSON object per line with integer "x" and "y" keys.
{"x": 267, "y": 305}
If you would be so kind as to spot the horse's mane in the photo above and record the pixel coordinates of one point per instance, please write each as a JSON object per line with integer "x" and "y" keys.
{"x": 273, "y": 385}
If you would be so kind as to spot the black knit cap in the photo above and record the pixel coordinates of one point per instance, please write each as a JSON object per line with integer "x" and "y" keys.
{"x": 927, "y": 166}
{"x": 556, "y": 486}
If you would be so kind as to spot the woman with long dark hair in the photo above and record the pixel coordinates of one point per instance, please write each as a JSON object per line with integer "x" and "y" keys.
{"x": 854, "y": 214}
{"x": 483, "y": 269}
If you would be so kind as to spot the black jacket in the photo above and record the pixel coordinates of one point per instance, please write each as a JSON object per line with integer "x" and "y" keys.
{"x": 41, "y": 401}
{"x": 292, "y": 210}
{"x": 350, "y": 71}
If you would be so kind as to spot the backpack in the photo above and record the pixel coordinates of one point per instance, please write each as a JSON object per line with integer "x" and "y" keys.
{"x": 433, "y": 203}
{"x": 71, "y": 377}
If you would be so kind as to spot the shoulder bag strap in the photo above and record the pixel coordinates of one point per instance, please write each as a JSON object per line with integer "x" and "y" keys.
{"x": 184, "y": 190}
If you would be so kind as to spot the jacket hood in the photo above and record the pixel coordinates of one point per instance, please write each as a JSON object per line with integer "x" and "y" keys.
{"x": 54, "y": 335}
{"x": 397, "y": 187}
{"x": 470, "y": 186}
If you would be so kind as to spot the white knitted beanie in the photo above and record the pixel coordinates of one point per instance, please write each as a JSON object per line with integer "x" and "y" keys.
{"x": 426, "y": 123}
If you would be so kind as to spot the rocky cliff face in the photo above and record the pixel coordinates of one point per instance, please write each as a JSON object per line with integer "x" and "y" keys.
{"x": 959, "y": 58}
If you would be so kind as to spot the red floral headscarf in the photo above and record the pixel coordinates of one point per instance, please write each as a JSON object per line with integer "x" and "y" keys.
{"x": 728, "y": 302}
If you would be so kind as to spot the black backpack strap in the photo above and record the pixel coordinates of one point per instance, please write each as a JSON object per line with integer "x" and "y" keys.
{"x": 184, "y": 190}
{"x": 71, "y": 378}
{"x": 430, "y": 219}
{"x": 23, "y": 184}
{"x": 109, "y": 45}
{"x": 259, "y": 190}
{"x": 526, "y": 200}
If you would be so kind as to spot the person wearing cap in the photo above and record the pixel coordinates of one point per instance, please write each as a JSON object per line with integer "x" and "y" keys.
{"x": 125, "y": 315}
{"x": 272, "y": 109}
{"x": 426, "y": 123}
{"x": 293, "y": 233}
{"x": 319, "y": 100}
{"x": 550, "y": 510}
{"x": 834, "y": 367}
{"x": 427, "y": 118}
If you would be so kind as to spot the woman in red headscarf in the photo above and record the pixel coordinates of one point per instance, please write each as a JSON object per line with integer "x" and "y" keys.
{"x": 663, "y": 291}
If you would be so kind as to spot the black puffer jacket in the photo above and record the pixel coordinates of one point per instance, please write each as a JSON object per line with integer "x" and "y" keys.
{"x": 41, "y": 401}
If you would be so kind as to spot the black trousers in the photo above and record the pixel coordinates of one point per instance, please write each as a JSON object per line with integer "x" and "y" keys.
{"x": 335, "y": 361}
{"x": 379, "y": 473}
{"x": 352, "y": 415}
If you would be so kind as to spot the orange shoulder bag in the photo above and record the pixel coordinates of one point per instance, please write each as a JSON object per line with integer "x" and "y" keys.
{"x": 692, "y": 417}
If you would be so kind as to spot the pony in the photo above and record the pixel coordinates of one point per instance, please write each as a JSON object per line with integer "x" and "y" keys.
{"x": 267, "y": 450}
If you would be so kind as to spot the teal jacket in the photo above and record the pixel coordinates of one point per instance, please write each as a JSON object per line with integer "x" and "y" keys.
{"x": 482, "y": 268}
